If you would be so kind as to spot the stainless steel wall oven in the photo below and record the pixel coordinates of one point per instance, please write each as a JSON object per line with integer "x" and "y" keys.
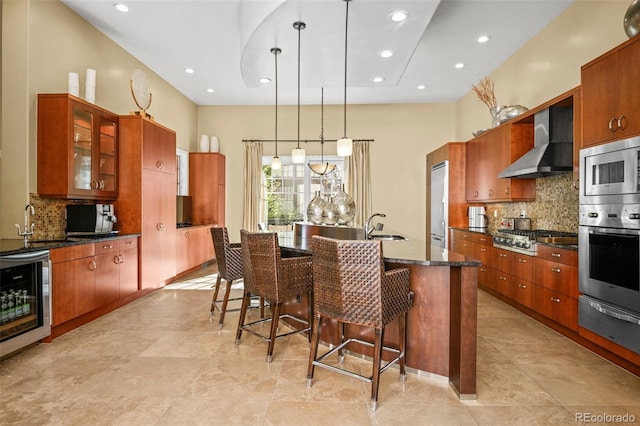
{"x": 609, "y": 241}
{"x": 24, "y": 299}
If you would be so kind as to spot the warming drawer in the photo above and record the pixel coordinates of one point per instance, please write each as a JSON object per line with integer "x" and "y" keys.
{"x": 611, "y": 322}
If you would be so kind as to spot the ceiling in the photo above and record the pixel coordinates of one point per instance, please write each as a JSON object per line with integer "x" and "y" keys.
{"x": 227, "y": 43}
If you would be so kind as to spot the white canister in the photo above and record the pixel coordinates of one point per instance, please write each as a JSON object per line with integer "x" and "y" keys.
{"x": 74, "y": 84}
{"x": 90, "y": 86}
{"x": 204, "y": 143}
{"x": 214, "y": 144}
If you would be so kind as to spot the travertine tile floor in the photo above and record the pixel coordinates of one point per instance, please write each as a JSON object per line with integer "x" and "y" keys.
{"x": 160, "y": 361}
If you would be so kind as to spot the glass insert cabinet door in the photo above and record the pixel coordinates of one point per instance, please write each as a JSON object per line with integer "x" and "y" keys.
{"x": 107, "y": 158}
{"x": 83, "y": 124}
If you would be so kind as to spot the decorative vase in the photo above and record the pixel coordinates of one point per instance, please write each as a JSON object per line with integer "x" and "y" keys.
{"x": 204, "y": 143}
{"x": 315, "y": 209}
{"x": 330, "y": 213}
{"x": 495, "y": 111}
{"x": 214, "y": 144}
{"x": 345, "y": 205}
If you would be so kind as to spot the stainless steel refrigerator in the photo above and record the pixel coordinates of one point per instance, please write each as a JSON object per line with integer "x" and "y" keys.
{"x": 439, "y": 203}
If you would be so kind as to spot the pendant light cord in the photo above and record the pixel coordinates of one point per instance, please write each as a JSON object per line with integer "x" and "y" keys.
{"x": 299, "y": 26}
{"x": 322, "y": 124}
{"x": 346, "y": 32}
{"x": 276, "y": 51}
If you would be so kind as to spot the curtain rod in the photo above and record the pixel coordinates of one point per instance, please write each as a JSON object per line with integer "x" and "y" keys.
{"x": 301, "y": 140}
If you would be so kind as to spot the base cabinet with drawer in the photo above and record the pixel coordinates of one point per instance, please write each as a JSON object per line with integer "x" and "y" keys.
{"x": 88, "y": 280}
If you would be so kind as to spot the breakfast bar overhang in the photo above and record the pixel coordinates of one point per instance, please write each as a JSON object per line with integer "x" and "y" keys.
{"x": 442, "y": 324}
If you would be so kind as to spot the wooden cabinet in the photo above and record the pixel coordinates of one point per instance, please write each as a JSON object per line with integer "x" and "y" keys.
{"x": 147, "y": 202}
{"x": 610, "y": 102}
{"x": 207, "y": 188}
{"x": 88, "y": 277}
{"x": 194, "y": 247}
{"x": 72, "y": 282}
{"x": 489, "y": 154}
{"x": 117, "y": 270}
{"x": 77, "y": 149}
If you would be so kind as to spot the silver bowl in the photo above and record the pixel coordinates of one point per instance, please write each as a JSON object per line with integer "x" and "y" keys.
{"x": 512, "y": 111}
{"x": 632, "y": 19}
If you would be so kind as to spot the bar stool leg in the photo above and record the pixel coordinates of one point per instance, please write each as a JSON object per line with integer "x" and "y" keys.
{"x": 224, "y": 303}
{"x": 377, "y": 360}
{"x": 243, "y": 313}
{"x": 341, "y": 351}
{"x": 313, "y": 352}
{"x": 274, "y": 330}
{"x": 215, "y": 294}
{"x": 402, "y": 321}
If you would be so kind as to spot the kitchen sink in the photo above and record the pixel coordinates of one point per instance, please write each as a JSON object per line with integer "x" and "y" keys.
{"x": 387, "y": 237}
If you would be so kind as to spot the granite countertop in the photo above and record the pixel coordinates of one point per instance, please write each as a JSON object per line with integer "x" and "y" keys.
{"x": 412, "y": 252}
{"x": 8, "y": 246}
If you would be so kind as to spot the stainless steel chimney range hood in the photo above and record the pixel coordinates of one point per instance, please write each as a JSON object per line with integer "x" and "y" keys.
{"x": 552, "y": 153}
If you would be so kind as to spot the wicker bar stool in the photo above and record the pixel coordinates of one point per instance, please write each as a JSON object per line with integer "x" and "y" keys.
{"x": 276, "y": 280}
{"x": 229, "y": 261}
{"x": 351, "y": 286}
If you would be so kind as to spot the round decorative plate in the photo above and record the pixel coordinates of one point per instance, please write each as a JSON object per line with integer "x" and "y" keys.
{"x": 140, "y": 90}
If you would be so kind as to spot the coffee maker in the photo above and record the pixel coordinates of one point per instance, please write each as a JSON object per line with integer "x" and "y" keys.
{"x": 477, "y": 217}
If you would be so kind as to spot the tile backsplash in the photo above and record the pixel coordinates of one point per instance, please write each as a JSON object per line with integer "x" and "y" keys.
{"x": 555, "y": 207}
{"x": 49, "y": 218}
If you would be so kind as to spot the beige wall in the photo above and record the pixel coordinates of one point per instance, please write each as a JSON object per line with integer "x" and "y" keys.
{"x": 43, "y": 40}
{"x": 403, "y": 135}
{"x": 550, "y": 63}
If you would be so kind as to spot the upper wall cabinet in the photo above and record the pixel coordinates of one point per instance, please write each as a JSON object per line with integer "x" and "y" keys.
{"x": 77, "y": 149}
{"x": 610, "y": 101}
{"x": 207, "y": 188}
{"x": 489, "y": 154}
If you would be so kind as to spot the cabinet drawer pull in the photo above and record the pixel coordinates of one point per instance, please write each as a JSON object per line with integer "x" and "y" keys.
{"x": 160, "y": 226}
{"x": 107, "y": 246}
{"x": 116, "y": 259}
{"x": 622, "y": 126}
{"x": 502, "y": 278}
{"x": 613, "y": 120}
{"x": 121, "y": 257}
{"x": 483, "y": 249}
{"x": 129, "y": 243}
{"x": 555, "y": 299}
{"x": 483, "y": 239}
{"x": 475, "y": 193}
{"x": 522, "y": 260}
{"x": 555, "y": 254}
{"x": 92, "y": 265}
{"x": 556, "y": 270}
{"x": 522, "y": 286}
{"x": 491, "y": 193}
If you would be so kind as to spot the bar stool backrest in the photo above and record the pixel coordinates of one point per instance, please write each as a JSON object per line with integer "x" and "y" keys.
{"x": 347, "y": 280}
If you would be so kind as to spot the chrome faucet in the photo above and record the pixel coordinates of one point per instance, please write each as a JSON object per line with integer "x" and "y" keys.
{"x": 28, "y": 230}
{"x": 368, "y": 229}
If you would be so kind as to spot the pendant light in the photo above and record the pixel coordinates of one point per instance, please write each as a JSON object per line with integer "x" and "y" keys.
{"x": 298, "y": 154}
{"x": 322, "y": 168}
{"x": 276, "y": 163}
{"x": 345, "y": 145}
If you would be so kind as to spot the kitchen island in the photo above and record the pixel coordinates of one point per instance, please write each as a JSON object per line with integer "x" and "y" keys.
{"x": 441, "y": 327}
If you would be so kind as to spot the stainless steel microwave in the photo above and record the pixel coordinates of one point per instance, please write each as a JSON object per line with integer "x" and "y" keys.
{"x": 610, "y": 173}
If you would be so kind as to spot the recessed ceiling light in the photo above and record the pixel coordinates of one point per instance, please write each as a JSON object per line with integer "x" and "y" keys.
{"x": 189, "y": 70}
{"x": 422, "y": 87}
{"x": 121, "y": 7}
{"x": 483, "y": 39}
{"x": 210, "y": 90}
{"x": 377, "y": 79}
{"x": 385, "y": 53}
{"x": 399, "y": 16}
{"x": 459, "y": 65}
{"x": 265, "y": 80}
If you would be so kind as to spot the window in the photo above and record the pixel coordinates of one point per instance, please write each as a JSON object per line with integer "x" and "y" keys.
{"x": 289, "y": 190}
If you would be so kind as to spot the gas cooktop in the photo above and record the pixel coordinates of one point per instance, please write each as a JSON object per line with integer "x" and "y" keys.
{"x": 525, "y": 241}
